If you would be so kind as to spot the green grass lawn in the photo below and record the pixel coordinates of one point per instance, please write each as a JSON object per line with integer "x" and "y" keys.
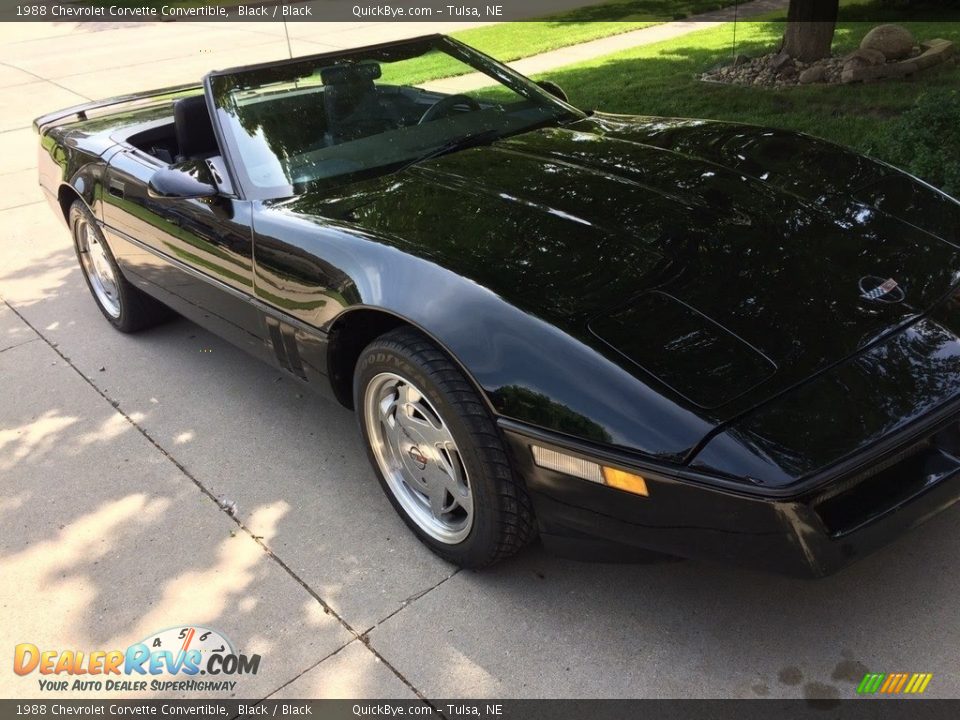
{"x": 661, "y": 80}
{"x": 511, "y": 41}
{"x": 514, "y": 40}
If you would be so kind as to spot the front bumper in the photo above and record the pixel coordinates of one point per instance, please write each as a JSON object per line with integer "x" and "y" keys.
{"x": 811, "y": 534}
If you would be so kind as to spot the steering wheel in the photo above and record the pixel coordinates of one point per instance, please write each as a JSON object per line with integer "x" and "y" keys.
{"x": 444, "y": 106}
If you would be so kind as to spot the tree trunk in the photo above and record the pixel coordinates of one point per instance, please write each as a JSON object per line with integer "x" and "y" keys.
{"x": 810, "y": 27}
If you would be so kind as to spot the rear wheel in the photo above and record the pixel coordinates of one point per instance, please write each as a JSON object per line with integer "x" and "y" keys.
{"x": 437, "y": 452}
{"x": 127, "y": 308}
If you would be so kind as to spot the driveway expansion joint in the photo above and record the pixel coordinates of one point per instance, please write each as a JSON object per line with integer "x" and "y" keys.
{"x": 404, "y": 604}
{"x": 309, "y": 668}
{"x": 19, "y": 344}
{"x": 365, "y": 642}
{"x": 40, "y": 78}
{"x": 327, "y": 609}
{"x": 21, "y": 205}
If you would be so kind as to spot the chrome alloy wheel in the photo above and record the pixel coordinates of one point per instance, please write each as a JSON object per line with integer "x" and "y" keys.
{"x": 97, "y": 267}
{"x": 418, "y": 458}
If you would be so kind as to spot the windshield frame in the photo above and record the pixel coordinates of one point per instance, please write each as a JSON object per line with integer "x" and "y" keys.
{"x": 229, "y": 145}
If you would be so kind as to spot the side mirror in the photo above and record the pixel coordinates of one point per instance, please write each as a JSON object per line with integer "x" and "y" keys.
{"x": 554, "y": 89}
{"x": 186, "y": 180}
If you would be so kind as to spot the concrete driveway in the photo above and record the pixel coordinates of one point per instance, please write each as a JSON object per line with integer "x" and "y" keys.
{"x": 113, "y": 449}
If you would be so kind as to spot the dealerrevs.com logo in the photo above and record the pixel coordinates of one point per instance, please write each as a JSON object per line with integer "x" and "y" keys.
{"x": 183, "y": 659}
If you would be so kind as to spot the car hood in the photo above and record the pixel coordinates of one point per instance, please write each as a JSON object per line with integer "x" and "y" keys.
{"x": 722, "y": 264}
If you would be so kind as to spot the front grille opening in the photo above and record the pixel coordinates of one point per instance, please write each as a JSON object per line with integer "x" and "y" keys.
{"x": 886, "y": 486}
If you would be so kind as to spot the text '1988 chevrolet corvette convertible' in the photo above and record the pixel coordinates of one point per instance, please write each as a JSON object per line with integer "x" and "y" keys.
{"x": 695, "y": 338}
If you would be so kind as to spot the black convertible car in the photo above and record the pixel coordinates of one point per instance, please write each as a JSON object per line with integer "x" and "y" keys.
{"x": 696, "y": 338}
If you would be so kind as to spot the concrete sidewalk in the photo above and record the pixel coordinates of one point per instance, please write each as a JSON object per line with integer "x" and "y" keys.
{"x": 581, "y": 52}
{"x": 114, "y": 449}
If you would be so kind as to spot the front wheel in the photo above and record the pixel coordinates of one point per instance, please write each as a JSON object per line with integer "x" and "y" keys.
{"x": 437, "y": 452}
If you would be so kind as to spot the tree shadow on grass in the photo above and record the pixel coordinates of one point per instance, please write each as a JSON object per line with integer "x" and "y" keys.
{"x": 887, "y": 11}
{"x": 664, "y": 81}
{"x": 651, "y": 10}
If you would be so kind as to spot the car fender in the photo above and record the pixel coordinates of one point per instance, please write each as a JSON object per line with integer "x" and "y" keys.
{"x": 527, "y": 369}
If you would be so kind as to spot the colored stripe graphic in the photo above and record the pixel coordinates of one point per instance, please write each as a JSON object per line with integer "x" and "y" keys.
{"x": 894, "y": 683}
{"x": 900, "y": 683}
{"x": 870, "y": 683}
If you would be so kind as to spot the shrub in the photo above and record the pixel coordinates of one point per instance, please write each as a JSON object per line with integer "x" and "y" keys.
{"x": 925, "y": 140}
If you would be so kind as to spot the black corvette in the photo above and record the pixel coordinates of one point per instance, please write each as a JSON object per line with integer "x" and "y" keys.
{"x": 696, "y": 338}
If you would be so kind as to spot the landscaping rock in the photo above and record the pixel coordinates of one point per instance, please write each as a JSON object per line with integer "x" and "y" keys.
{"x": 779, "y": 60}
{"x": 935, "y": 54}
{"x": 894, "y": 41}
{"x": 866, "y": 73}
{"x": 927, "y": 44}
{"x": 870, "y": 61}
{"x": 879, "y": 72}
{"x": 850, "y": 66}
{"x": 778, "y": 70}
{"x": 814, "y": 74}
{"x": 901, "y": 69}
{"x": 866, "y": 56}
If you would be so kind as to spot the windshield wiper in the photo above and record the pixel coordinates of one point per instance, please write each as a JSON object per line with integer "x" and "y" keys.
{"x": 458, "y": 143}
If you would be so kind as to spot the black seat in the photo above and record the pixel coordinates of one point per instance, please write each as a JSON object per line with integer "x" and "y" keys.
{"x": 352, "y": 103}
{"x": 194, "y": 131}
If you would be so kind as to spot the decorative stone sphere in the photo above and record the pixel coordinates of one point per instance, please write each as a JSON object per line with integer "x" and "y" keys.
{"x": 894, "y": 41}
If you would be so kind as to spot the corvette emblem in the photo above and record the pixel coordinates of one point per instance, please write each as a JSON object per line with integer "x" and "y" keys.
{"x": 875, "y": 288}
{"x": 418, "y": 457}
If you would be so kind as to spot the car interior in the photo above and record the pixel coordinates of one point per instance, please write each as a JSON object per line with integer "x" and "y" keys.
{"x": 347, "y": 106}
{"x": 188, "y": 136}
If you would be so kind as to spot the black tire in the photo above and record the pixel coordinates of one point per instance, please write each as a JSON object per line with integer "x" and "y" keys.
{"x": 137, "y": 310}
{"x": 503, "y": 520}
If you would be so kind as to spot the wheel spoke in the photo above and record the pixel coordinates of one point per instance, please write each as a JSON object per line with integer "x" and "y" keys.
{"x": 393, "y": 433}
{"x": 462, "y": 486}
{"x": 436, "y": 437}
{"x": 465, "y": 501}
{"x": 451, "y": 474}
{"x": 420, "y": 419}
{"x": 418, "y": 457}
{"x": 408, "y": 394}
{"x": 437, "y": 494}
{"x": 387, "y": 405}
{"x": 109, "y": 287}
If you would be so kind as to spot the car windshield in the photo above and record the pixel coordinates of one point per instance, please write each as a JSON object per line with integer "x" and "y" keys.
{"x": 297, "y": 123}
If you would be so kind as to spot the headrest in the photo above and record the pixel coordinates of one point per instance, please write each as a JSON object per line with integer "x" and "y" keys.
{"x": 349, "y": 74}
{"x": 192, "y": 126}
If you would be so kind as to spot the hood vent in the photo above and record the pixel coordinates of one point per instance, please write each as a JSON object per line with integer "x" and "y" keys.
{"x": 684, "y": 349}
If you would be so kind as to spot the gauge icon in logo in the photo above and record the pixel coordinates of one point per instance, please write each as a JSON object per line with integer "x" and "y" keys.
{"x": 189, "y": 637}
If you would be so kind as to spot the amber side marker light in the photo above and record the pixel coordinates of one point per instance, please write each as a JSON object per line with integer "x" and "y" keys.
{"x": 594, "y": 472}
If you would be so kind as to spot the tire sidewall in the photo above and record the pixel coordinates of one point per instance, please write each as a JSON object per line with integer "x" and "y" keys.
{"x": 80, "y": 212}
{"x": 381, "y": 357}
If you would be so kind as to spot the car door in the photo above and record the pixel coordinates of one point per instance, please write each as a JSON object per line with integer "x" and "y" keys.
{"x": 196, "y": 255}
